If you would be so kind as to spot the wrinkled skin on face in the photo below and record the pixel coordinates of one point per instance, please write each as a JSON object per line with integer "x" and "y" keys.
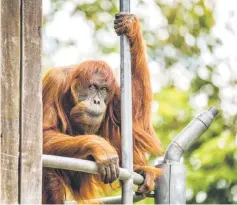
{"x": 87, "y": 115}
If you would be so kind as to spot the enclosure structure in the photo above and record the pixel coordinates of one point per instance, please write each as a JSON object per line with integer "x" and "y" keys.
{"x": 21, "y": 101}
{"x": 171, "y": 186}
{"x": 21, "y": 114}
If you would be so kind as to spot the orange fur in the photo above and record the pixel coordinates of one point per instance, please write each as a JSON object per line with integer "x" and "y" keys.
{"x": 59, "y": 96}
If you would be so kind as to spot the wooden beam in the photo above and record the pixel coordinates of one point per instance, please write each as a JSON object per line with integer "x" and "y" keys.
{"x": 0, "y": 106}
{"x": 10, "y": 103}
{"x": 31, "y": 103}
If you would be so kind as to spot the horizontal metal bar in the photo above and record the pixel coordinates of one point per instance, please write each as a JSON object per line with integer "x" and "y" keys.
{"x": 113, "y": 199}
{"x": 118, "y": 199}
{"x": 85, "y": 166}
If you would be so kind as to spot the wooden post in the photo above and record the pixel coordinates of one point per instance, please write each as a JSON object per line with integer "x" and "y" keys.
{"x": 31, "y": 105}
{"x": 10, "y": 103}
{"x": 0, "y": 106}
{"x": 21, "y": 106}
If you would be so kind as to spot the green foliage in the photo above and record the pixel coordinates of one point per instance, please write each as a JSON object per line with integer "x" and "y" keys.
{"x": 193, "y": 19}
{"x": 212, "y": 160}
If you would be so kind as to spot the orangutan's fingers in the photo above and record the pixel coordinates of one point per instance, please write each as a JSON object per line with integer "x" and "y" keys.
{"x": 102, "y": 172}
{"x": 108, "y": 175}
{"x": 121, "y": 14}
{"x": 119, "y": 25}
{"x": 117, "y": 171}
{"x": 113, "y": 173}
{"x": 147, "y": 186}
{"x": 121, "y": 30}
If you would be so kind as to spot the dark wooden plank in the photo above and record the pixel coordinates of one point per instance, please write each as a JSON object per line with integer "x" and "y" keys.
{"x": 31, "y": 104}
{"x": 0, "y": 107}
{"x": 10, "y": 105}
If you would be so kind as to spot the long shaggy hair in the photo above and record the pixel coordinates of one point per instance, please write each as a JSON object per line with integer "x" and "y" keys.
{"x": 59, "y": 96}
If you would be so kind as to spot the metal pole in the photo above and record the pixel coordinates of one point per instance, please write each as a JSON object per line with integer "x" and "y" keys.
{"x": 118, "y": 199}
{"x": 111, "y": 200}
{"x": 191, "y": 132}
{"x": 171, "y": 187}
{"x": 87, "y": 166}
{"x": 126, "y": 111}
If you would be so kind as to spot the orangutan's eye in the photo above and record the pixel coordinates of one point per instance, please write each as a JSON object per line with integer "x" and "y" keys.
{"x": 92, "y": 87}
{"x": 104, "y": 90}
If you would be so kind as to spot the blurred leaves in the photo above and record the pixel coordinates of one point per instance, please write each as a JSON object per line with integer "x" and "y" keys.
{"x": 183, "y": 47}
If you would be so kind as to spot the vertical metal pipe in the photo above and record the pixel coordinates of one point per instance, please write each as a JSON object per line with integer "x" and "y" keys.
{"x": 126, "y": 110}
{"x": 171, "y": 187}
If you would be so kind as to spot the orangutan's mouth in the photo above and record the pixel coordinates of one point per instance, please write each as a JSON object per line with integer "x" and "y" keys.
{"x": 93, "y": 113}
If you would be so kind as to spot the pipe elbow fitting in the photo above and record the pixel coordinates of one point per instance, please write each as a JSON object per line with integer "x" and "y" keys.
{"x": 174, "y": 152}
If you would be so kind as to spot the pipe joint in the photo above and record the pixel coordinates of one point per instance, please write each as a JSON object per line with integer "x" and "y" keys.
{"x": 174, "y": 152}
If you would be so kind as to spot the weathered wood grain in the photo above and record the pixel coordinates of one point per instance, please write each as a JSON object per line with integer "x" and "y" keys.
{"x": 10, "y": 99}
{"x": 0, "y": 108}
{"x": 31, "y": 103}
